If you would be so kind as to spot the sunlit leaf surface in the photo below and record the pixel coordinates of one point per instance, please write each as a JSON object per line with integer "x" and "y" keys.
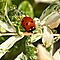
{"x": 26, "y": 7}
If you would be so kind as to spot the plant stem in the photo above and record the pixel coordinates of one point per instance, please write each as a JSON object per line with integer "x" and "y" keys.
{"x": 5, "y": 34}
{"x": 24, "y": 33}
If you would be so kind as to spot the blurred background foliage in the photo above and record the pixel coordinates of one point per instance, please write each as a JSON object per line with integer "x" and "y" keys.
{"x": 37, "y": 7}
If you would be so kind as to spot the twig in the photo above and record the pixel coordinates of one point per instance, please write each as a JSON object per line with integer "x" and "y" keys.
{"x": 5, "y": 34}
{"x": 8, "y": 34}
{"x": 25, "y": 33}
{"x": 55, "y": 34}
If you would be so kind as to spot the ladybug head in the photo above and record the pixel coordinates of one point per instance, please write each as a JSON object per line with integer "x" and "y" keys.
{"x": 28, "y": 23}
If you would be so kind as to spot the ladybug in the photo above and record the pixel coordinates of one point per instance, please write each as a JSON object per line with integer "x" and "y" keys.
{"x": 28, "y": 24}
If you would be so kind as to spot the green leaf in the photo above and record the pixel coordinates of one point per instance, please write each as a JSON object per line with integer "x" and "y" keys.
{"x": 5, "y": 46}
{"x": 26, "y": 7}
{"x": 2, "y": 5}
{"x": 17, "y": 48}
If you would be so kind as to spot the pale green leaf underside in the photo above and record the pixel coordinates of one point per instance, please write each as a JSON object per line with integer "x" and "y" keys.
{"x": 7, "y": 27}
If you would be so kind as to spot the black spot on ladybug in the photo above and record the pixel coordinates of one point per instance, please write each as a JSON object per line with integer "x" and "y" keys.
{"x": 26, "y": 23}
{"x": 31, "y": 21}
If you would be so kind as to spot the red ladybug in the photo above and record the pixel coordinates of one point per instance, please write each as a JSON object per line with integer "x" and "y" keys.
{"x": 28, "y": 23}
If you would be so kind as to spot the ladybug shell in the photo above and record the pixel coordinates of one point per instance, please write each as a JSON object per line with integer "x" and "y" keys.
{"x": 28, "y": 23}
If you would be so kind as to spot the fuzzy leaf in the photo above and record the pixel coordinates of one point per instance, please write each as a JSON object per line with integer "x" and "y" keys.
{"x": 43, "y": 54}
{"x": 5, "y": 46}
{"x": 51, "y": 15}
{"x": 47, "y": 38}
{"x": 7, "y": 26}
